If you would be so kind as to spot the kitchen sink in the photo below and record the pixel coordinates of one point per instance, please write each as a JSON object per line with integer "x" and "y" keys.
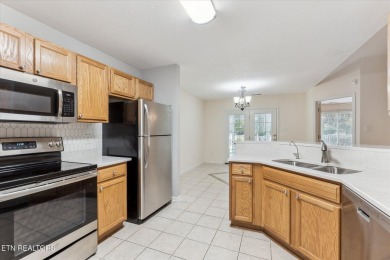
{"x": 327, "y": 169}
{"x": 296, "y": 163}
{"x": 335, "y": 170}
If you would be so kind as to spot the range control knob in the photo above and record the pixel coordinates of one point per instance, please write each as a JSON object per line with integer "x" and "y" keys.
{"x": 58, "y": 144}
{"x": 51, "y": 144}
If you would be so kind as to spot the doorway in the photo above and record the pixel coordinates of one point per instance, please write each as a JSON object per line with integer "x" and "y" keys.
{"x": 253, "y": 125}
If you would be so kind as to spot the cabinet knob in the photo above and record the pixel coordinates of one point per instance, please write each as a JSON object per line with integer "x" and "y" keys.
{"x": 39, "y": 71}
{"x": 80, "y": 115}
{"x": 250, "y": 181}
{"x": 297, "y": 196}
{"x": 114, "y": 173}
{"x": 285, "y": 192}
{"x": 101, "y": 188}
{"x": 242, "y": 169}
{"x": 22, "y": 67}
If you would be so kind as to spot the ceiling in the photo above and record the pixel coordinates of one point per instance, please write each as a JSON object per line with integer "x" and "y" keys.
{"x": 271, "y": 47}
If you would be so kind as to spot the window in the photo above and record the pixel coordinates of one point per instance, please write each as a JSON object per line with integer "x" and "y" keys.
{"x": 335, "y": 121}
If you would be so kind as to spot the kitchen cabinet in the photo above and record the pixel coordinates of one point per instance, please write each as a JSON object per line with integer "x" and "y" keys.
{"x": 92, "y": 83}
{"x": 112, "y": 199}
{"x": 16, "y": 49}
{"x": 302, "y": 213}
{"x": 316, "y": 227}
{"x": 242, "y": 199}
{"x": 145, "y": 89}
{"x": 54, "y": 62}
{"x": 276, "y": 209}
{"x": 122, "y": 84}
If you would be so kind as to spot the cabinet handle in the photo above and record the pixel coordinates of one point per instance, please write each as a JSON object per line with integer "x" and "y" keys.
{"x": 39, "y": 71}
{"x": 285, "y": 192}
{"x": 21, "y": 67}
{"x": 242, "y": 169}
{"x": 297, "y": 196}
{"x": 249, "y": 181}
{"x": 101, "y": 188}
{"x": 114, "y": 173}
{"x": 80, "y": 115}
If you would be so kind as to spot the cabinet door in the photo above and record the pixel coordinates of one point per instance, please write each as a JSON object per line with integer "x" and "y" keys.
{"x": 54, "y": 62}
{"x": 316, "y": 227}
{"x": 112, "y": 204}
{"x": 16, "y": 49}
{"x": 92, "y": 83}
{"x": 145, "y": 90}
{"x": 122, "y": 84}
{"x": 241, "y": 200}
{"x": 276, "y": 210}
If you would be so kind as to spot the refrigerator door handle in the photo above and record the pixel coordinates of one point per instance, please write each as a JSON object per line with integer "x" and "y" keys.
{"x": 148, "y": 134}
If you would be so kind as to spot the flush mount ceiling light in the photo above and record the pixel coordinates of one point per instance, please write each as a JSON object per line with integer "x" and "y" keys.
{"x": 242, "y": 101}
{"x": 200, "y": 11}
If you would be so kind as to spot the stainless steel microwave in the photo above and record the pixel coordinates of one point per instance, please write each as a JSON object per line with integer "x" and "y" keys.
{"x": 30, "y": 98}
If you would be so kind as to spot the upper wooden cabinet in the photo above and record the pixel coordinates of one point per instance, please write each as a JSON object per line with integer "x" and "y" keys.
{"x": 122, "y": 84}
{"x": 276, "y": 209}
{"x": 92, "y": 83}
{"x": 316, "y": 227}
{"x": 145, "y": 89}
{"x": 16, "y": 49}
{"x": 54, "y": 62}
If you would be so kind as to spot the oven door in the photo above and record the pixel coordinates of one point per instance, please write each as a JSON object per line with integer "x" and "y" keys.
{"x": 33, "y": 221}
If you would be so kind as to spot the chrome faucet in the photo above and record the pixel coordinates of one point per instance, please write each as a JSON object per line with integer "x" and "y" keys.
{"x": 297, "y": 153}
{"x": 324, "y": 149}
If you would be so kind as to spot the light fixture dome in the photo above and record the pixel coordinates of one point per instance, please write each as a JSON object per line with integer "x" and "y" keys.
{"x": 200, "y": 11}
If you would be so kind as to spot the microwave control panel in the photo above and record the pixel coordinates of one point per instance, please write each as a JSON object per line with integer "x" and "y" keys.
{"x": 68, "y": 105}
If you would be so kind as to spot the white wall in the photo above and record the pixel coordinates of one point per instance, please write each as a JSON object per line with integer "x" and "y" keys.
{"x": 375, "y": 121}
{"x": 191, "y": 131}
{"x": 166, "y": 81}
{"x": 43, "y": 31}
{"x": 291, "y": 121}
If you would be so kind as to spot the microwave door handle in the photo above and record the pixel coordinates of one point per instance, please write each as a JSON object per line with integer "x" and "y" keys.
{"x": 60, "y": 103}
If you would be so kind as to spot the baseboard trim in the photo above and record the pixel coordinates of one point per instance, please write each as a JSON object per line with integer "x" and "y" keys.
{"x": 191, "y": 168}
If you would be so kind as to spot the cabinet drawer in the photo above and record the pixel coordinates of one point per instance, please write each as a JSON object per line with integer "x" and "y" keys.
{"x": 112, "y": 172}
{"x": 322, "y": 189}
{"x": 242, "y": 169}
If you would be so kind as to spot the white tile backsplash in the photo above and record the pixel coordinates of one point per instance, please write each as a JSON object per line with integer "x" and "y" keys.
{"x": 76, "y": 136}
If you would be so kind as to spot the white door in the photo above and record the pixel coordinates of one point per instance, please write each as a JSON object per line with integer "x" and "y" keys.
{"x": 237, "y": 130}
{"x": 263, "y": 125}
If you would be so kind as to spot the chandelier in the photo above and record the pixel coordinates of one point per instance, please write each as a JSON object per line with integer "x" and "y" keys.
{"x": 242, "y": 101}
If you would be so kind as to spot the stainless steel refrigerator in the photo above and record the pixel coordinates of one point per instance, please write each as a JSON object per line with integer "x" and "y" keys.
{"x": 142, "y": 130}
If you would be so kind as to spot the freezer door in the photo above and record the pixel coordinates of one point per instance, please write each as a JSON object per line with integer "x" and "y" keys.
{"x": 153, "y": 118}
{"x": 155, "y": 174}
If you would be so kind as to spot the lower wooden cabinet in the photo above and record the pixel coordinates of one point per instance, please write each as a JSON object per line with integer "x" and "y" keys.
{"x": 276, "y": 210}
{"x": 242, "y": 198}
{"x": 302, "y": 213}
{"x": 316, "y": 227}
{"x": 112, "y": 203}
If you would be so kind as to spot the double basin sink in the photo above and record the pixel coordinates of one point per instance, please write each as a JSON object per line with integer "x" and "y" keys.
{"x": 327, "y": 168}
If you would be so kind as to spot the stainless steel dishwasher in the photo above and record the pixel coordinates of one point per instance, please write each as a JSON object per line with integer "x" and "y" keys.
{"x": 365, "y": 230}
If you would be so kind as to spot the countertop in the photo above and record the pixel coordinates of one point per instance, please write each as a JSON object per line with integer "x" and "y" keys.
{"x": 93, "y": 157}
{"x": 372, "y": 185}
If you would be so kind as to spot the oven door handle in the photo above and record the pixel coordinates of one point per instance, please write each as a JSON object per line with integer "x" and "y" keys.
{"x": 47, "y": 185}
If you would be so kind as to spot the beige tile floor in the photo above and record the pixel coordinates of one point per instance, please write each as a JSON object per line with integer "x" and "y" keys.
{"x": 195, "y": 226}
